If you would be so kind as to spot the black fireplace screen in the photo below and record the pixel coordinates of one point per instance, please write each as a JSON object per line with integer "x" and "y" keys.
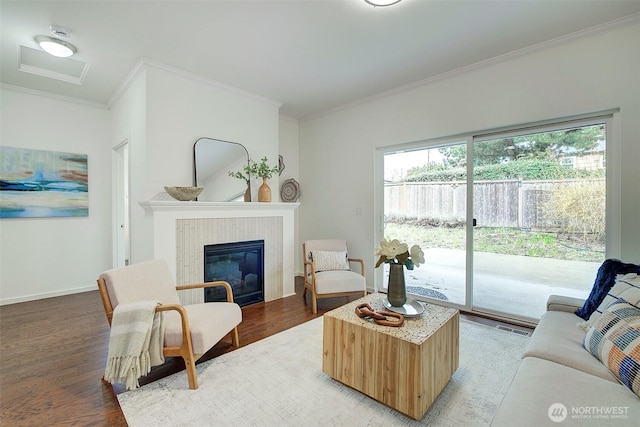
{"x": 241, "y": 264}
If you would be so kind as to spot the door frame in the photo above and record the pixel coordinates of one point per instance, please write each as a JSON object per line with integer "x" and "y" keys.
{"x": 120, "y": 217}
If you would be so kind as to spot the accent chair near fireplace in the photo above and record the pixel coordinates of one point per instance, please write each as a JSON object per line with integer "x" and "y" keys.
{"x": 191, "y": 329}
{"x": 327, "y": 271}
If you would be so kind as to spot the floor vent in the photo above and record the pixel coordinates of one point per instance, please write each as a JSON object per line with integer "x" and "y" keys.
{"x": 515, "y": 331}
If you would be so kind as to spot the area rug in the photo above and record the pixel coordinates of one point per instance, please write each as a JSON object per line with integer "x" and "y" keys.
{"x": 419, "y": 290}
{"x": 278, "y": 381}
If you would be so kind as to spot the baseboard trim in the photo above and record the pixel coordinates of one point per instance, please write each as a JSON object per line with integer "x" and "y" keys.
{"x": 45, "y": 295}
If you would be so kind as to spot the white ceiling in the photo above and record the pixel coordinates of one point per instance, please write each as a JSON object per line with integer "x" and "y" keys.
{"x": 311, "y": 56}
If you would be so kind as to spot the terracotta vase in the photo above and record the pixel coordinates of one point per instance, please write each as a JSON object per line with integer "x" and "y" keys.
{"x": 264, "y": 192}
{"x": 396, "y": 289}
{"x": 247, "y": 193}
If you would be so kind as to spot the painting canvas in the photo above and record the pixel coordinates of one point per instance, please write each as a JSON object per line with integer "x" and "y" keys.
{"x": 40, "y": 183}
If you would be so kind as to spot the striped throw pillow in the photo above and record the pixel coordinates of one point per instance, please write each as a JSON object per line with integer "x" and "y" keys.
{"x": 627, "y": 287}
{"x": 614, "y": 339}
{"x": 330, "y": 260}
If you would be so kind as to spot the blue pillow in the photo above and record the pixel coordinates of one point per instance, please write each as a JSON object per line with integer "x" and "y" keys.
{"x": 605, "y": 279}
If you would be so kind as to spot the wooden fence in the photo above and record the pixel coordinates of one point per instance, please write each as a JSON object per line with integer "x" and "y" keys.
{"x": 508, "y": 203}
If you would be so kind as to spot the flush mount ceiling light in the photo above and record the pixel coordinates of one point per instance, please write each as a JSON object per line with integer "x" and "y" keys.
{"x": 382, "y": 2}
{"x": 54, "y": 46}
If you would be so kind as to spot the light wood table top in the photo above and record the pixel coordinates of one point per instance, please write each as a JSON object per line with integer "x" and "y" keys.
{"x": 415, "y": 329}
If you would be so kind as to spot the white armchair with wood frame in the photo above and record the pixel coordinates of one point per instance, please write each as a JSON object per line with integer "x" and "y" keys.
{"x": 328, "y": 273}
{"x": 191, "y": 330}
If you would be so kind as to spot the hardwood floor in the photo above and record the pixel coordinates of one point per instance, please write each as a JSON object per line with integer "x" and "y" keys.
{"x": 53, "y": 353}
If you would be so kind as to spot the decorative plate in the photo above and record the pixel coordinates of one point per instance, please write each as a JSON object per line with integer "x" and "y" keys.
{"x": 411, "y": 308}
{"x": 290, "y": 190}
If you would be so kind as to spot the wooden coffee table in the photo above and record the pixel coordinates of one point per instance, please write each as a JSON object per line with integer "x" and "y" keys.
{"x": 404, "y": 368}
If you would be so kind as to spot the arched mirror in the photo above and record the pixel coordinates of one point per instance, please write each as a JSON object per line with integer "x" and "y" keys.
{"x": 213, "y": 159}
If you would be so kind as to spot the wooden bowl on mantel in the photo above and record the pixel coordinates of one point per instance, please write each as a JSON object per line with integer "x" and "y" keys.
{"x": 184, "y": 194}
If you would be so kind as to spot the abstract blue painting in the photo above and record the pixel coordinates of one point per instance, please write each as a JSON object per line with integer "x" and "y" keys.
{"x": 41, "y": 183}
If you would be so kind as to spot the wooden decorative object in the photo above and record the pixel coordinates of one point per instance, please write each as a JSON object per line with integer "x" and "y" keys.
{"x": 264, "y": 191}
{"x": 365, "y": 311}
{"x": 404, "y": 368}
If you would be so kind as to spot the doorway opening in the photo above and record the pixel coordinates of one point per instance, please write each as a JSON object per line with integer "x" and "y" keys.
{"x": 121, "y": 238}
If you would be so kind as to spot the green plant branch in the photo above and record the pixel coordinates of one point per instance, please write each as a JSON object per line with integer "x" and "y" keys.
{"x": 262, "y": 170}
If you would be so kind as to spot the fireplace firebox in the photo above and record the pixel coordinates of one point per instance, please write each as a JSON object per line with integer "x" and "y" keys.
{"x": 241, "y": 264}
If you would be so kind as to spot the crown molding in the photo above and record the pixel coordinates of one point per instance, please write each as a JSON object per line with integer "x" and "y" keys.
{"x": 598, "y": 29}
{"x": 137, "y": 69}
{"x": 289, "y": 118}
{"x": 144, "y": 63}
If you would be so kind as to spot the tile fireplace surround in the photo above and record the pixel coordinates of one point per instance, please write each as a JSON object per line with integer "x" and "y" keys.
{"x": 182, "y": 229}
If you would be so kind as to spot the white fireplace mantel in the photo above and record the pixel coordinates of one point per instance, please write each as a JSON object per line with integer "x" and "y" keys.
{"x": 249, "y": 208}
{"x": 166, "y": 215}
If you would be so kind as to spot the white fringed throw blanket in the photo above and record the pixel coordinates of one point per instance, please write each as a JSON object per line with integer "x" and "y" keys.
{"x": 135, "y": 342}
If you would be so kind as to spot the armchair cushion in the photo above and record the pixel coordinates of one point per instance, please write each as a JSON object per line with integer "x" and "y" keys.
{"x": 141, "y": 282}
{"x": 328, "y": 282}
{"x": 208, "y": 322}
{"x": 330, "y": 260}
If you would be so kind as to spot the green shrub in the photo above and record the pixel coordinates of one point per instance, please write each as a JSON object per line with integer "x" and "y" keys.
{"x": 528, "y": 169}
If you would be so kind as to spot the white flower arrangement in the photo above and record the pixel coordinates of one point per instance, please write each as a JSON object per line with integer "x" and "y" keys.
{"x": 396, "y": 252}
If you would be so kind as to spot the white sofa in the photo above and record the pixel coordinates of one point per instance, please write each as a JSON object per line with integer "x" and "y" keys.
{"x": 560, "y": 383}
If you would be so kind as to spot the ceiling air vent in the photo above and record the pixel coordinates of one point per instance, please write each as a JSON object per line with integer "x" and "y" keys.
{"x": 37, "y": 62}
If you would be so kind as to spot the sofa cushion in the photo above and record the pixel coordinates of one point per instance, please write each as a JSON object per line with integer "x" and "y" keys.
{"x": 564, "y": 303}
{"x": 557, "y": 338}
{"x": 540, "y": 387}
{"x": 615, "y": 340}
{"x": 605, "y": 279}
{"x": 627, "y": 287}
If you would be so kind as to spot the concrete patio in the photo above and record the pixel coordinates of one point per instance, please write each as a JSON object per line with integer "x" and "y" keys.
{"x": 516, "y": 285}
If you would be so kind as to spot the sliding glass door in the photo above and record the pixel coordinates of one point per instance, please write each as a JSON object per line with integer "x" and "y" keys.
{"x": 533, "y": 225}
{"x": 425, "y": 203}
{"x": 539, "y": 206}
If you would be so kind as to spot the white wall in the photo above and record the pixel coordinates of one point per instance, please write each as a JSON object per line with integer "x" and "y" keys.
{"x": 594, "y": 73}
{"x": 181, "y": 109}
{"x": 44, "y": 257}
{"x": 163, "y": 113}
{"x": 289, "y": 137}
{"x": 129, "y": 124}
